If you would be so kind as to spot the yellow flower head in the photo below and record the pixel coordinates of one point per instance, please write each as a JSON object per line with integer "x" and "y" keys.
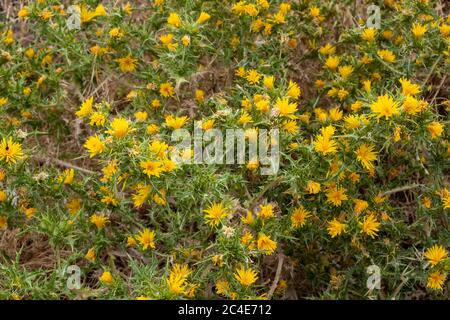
{"x": 299, "y": 216}
{"x": 127, "y": 64}
{"x": 151, "y": 168}
{"x": 99, "y": 220}
{"x": 174, "y": 20}
{"x": 246, "y": 277}
{"x": 386, "y": 55}
{"x": 370, "y": 226}
{"x": 284, "y": 107}
{"x": 335, "y": 228}
{"x": 369, "y": 34}
{"x": 176, "y": 122}
{"x": 85, "y": 108}
{"x": 266, "y": 244}
{"x": 366, "y": 155}
{"x": 336, "y": 196}
{"x": 409, "y": 88}
{"x": 166, "y": 89}
{"x": 203, "y": 17}
{"x": 436, "y": 254}
{"x": 265, "y": 211}
{"x": 119, "y": 127}
{"x": 106, "y": 278}
{"x": 146, "y": 239}
{"x": 436, "y": 280}
{"x": 418, "y": 30}
{"x": 435, "y": 129}
{"x": 10, "y": 151}
{"x": 215, "y": 213}
{"x": 384, "y": 106}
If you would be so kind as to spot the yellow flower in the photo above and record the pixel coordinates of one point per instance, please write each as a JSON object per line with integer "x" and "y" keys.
{"x": 141, "y": 115}
{"x": 332, "y": 62}
{"x": 366, "y": 155}
{"x": 166, "y": 89}
{"x": 360, "y": 205}
{"x": 146, "y": 239}
{"x": 203, "y": 17}
{"x": 335, "y": 228}
{"x": 265, "y": 211}
{"x": 284, "y": 107}
{"x": 186, "y": 40}
{"x": 3, "y": 101}
{"x": 325, "y": 145}
{"x": 29, "y": 212}
{"x": 327, "y": 49}
{"x": 253, "y": 76}
{"x": 115, "y": 33}
{"x": 208, "y": 124}
{"x": 131, "y": 241}
{"x": 335, "y": 114}
{"x": 436, "y": 254}
{"x": 370, "y": 226}
{"x": 411, "y": 105}
{"x": 248, "y": 219}
{"x": 435, "y": 129}
{"x": 384, "y": 106}
{"x": 46, "y": 14}
{"x": 94, "y": 145}
{"x": 313, "y": 187}
{"x": 246, "y": 277}
{"x": 90, "y": 255}
{"x": 409, "y": 88}
{"x": 436, "y": 280}
{"x": 151, "y": 168}
{"x": 293, "y": 90}
{"x": 215, "y": 213}
{"x": 266, "y": 244}
{"x": 177, "y": 278}
{"x": 23, "y": 13}
{"x": 106, "y": 277}
{"x": 446, "y": 201}
{"x": 299, "y": 216}
{"x": 386, "y": 55}
{"x": 245, "y": 118}
{"x": 269, "y": 82}
{"x": 100, "y": 220}
{"x": 291, "y": 126}
{"x": 119, "y": 127}
{"x": 127, "y": 64}
{"x": 335, "y": 196}
{"x": 10, "y": 151}
{"x": 73, "y": 205}
{"x": 418, "y": 30}
{"x": 223, "y": 287}
{"x": 68, "y": 176}
{"x": 369, "y": 34}
{"x": 3, "y": 223}
{"x": 97, "y": 119}
{"x": 3, "y": 196}
{"x": 85, "y": 108}
{"x": 345, "y": 71}
{"x": 141, "y": 195}
{"x": 199, "y": 95}
{"x": 352, "y": 122}
{"x": 176, "y": 122}
{"x": 174, "y": 20}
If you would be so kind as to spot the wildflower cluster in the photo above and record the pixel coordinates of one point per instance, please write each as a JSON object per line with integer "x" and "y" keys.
{"x": 92, "y": 172}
